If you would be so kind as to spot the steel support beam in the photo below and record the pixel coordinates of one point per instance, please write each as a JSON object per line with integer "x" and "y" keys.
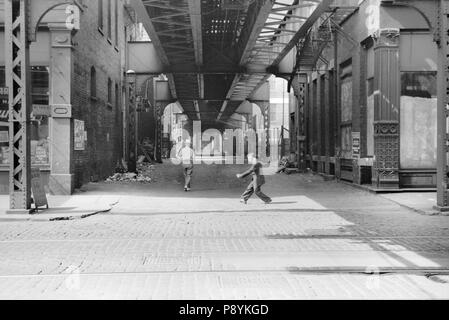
{"x": 197, "y": 31}
{"x": 258, "y": 14}
{"x": 442, "y": 39}
{"x": 172, "y": 85}
{"x": 18, "y": 82}
{"x": 142, "y": 15}
{"x": 301, "y": 33}
{"x": 228, "y": 96}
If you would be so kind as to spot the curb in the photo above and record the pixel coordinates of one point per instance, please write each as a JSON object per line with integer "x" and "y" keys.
{"x": 40, "y": 218}
{"x": 419, "y": 211}
{"x": 84, "y": 216}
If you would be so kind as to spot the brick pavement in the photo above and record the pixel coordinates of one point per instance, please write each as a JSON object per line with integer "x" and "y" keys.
{"x": 320, "y": 240}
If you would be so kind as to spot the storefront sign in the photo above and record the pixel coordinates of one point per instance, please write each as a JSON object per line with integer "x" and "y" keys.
{"x": 41, "y": 110}
{"x": 4, "y": 91}
{"x": 80, "y": 135}
{"x": 4, "y": 108}
{"x": 356, "y": 145}
{"x": 4, "y": 136}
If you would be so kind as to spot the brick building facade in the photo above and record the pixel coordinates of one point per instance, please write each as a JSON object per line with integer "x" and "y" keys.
{"x": 370, "y": 103}
{"x": 83, "y": 79}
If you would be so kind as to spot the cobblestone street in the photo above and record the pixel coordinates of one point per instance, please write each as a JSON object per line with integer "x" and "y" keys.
{"x": 318, "y": 240}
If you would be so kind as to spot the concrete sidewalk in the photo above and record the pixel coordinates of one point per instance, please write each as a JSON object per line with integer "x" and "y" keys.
{"x": 77, "y": 206}
{"x": 420, "y": 202}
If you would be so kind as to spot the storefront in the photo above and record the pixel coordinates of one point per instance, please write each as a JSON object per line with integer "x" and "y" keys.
{"x": 385, "y": 109}
{"x": 39, "y": 129}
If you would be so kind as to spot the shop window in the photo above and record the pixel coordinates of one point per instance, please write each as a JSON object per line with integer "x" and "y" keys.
{"x": 39, "y": 129}
{"x": 40, "y": 85}
{"x": 346, "y": 99}
{"x": 40, "y": 149}
{"x": 418, "y": 118}
{"x": 346, "y": 110}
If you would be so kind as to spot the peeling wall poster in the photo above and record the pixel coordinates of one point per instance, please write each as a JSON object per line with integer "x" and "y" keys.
{"x": 79, "y": 134}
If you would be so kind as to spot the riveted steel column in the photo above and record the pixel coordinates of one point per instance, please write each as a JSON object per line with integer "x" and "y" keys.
{"x": 158, "y": 113}
{"x": 386, "y": 112}
{"x": 442, "y": 111}
{"x": 18, "y": 82}
{"x": 268, "y": 133}
{"x": 300, "y": 87}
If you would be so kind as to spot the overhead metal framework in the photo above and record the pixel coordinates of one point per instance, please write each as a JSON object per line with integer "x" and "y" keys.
{"x": 320, "y": 35}
{"x": 218, "y": 53}
{"x": 273, "y": 36}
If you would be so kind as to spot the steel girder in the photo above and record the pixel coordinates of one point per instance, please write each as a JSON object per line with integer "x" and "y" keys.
{"x": 442, "y": 38}
{"x": 252, "y": 35}
{"x": 320, "y": 35}
{"x": 22, "y": 18}
{"x": 273, "y": 38}
{"x": 18, "y": 82}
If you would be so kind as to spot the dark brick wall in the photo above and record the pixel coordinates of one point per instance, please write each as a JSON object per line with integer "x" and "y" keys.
{"x": 103, "y": 120}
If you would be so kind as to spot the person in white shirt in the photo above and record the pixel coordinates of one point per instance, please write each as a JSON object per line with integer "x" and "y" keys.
{"x": 187, "y": 157}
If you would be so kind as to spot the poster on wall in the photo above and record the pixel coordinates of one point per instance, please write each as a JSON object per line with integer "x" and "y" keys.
{"x": 346, "y": 139}
{"x": 40, "y": 155}
{"x": 356, "y": 145}
{"x": 79, "y": 134}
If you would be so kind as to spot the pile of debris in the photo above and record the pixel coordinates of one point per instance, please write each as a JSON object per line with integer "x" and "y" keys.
{"x": 144, "y": 175}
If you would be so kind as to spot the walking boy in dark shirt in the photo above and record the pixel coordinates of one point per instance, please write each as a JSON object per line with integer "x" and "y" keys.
{"x": 258, "y": 180}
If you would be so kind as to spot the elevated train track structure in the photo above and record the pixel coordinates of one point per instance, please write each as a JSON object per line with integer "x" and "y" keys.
{"x": 218, "y": 53}
{"x": 215, "y": 54}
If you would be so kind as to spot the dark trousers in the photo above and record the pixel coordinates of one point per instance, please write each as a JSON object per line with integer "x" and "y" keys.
{"x": 255, "y": 188}
{"x": 188, "y": 171}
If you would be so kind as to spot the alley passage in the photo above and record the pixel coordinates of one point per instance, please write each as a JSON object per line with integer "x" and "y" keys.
{"x": 318, "y": 240}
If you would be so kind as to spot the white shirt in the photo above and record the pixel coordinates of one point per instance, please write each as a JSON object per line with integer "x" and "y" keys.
{"x": 186, "y": 155}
